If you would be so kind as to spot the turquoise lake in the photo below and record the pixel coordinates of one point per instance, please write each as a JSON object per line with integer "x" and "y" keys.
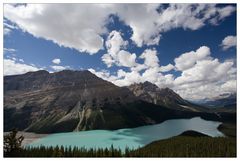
{"x": 132, "y": 137}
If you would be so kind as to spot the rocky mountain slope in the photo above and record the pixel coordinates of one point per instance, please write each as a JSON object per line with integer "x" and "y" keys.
{"x": 166, "y": 97}
{"x": 64, "y": 101}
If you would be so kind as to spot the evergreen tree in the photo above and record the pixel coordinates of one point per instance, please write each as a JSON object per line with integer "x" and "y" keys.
{"x": 12, "y": 143}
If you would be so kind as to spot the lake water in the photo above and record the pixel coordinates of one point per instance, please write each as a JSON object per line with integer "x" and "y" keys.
{"x": 132, "y": 137}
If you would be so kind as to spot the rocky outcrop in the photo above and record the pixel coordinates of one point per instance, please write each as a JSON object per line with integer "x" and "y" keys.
{"x": 166, "y": 97}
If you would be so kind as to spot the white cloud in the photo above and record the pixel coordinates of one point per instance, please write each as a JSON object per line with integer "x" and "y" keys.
{"x": 202, "y": 77}
{"x": 108, "y": 60}
{"x": 10, "y": 50}
{"x": 116, "y": 55}
{"x": 229, "y": 87}
{"x": 56, "y": 61}
{"x": 21, "y": 60}
{"x": 228, "y": 42}
{"x": 11, "y": 67}
{"x": 128, "y": 78}
{"x": 189, "y": 59}
{"x": 150, "y": 56}
{"x": 115, "y": 42}
{"x": 220, "y": 13}
{"x": 68, "y": 25}
{"x": 166, "y": 68}
{"x": 126, "y": 59}
{"x": 206, "y": 77}
{"x": 7, "y": 28}
{"x": 59, "y": 67}
{"x": 135, "y": 15}
{"x": 139, "y": 67}
{"x": 6, "y": 31}
{"x": 150, "y": 66}
{"x": 151, "y": 74}
{"x": 186, "y": 16}
{"x": 199, "y": 91}
{"x": 205, "y": 71}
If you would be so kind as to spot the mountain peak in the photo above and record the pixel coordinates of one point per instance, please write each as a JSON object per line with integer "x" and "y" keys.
{"x": 149, "y": 84}
{"x": 78, "y": 100}
{"x": 39, "y": 72}
{"x": 67, "y": 71}
{"x": 151, "y": 93}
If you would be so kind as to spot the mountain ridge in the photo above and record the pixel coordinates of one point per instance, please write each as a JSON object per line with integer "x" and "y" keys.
{"x": 67, "y": 101}
{"x": 162, "y": 96}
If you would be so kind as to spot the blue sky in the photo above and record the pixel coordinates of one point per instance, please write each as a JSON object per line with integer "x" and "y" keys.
{"x": 163, "y": 33}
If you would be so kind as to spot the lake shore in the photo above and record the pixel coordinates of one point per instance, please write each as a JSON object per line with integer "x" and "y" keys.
{"x": 29, "y": 137}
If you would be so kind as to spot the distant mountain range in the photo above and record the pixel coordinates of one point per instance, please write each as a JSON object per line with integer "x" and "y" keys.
{"x": 44, "y": 102}
{"x": 223, "y": 100}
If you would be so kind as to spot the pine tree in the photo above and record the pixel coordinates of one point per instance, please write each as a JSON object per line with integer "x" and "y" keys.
{"x": 12, "y": 143}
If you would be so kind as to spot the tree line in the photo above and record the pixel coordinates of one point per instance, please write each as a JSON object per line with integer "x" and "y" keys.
{"x": 180, "y": 146}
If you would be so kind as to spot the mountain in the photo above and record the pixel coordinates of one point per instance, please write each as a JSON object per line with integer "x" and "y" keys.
{"x": 44, "y": 101}
{"x": 225, "y": 102}
{"x": 65, "y": 101}
{"x": 163, "y": 96}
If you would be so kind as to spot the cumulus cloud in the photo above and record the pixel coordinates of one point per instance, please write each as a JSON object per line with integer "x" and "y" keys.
{"x": 149, "y": 70}
{"x": 116, "y": 55}
{"x": 115, "y": 42}
{"x": 126, "y": 59}
{"x": 202, "y": 77}
{"x": 220, "y": 13}
{"x": 189, "y": 59}
{"x": 83, "y": 32}
{"x": 166, "y": 68}
{"x": 56, "y": 61}
{"x": 228, "y": 42}
{"x": 205, "y": 71}
{"x": 67, "y": 25}
{"x": 150, "y": 58}
{"x": 108, "y": 60}
{"x": 158, "y": 18}
{"x": 137, "y": 15}
{"x": 11, "y": 67}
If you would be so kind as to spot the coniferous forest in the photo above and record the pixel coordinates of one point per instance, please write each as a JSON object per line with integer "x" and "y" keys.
{"x": 179, "y": 146}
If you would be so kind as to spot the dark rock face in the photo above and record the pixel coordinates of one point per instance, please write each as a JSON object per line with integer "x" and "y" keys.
{"x": 45, "y": 102}
{"x": 62, "y": 101}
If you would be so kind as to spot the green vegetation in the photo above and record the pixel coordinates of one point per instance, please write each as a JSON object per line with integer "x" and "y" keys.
{"x": 187, "y": 146}
{"x": 228, "y": 128}
{"x": 179, "y": 146}
{"x": 12, "y": 143}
